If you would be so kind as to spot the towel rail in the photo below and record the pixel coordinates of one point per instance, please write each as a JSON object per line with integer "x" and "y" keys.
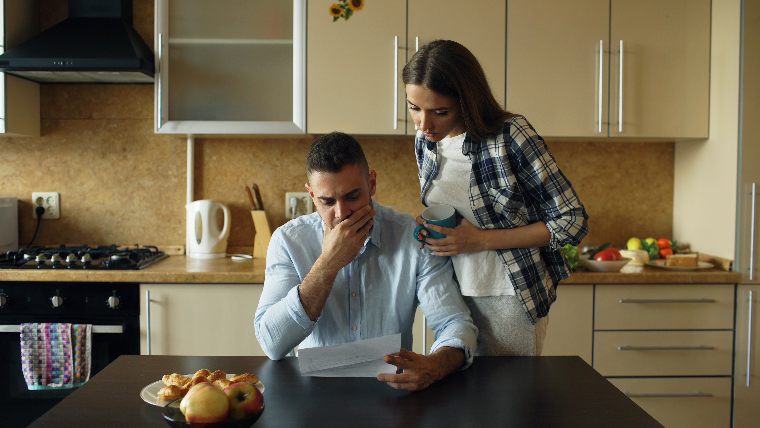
{"x": 111, "y": 329}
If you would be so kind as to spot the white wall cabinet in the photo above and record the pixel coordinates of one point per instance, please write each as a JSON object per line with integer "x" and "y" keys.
{"x": 19, "y": 98}
{"x": 199, "y": 319}
{"x": 234, "y": 67}
{"x": 354, "y": 66}
{"x": 610, "y": 68}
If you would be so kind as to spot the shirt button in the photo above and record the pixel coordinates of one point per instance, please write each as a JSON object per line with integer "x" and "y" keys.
{"x": 353, "y": 328}
{"x": 353, "y": 294}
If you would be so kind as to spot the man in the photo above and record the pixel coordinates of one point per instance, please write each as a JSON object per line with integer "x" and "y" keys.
{"x": 352, "y": 271}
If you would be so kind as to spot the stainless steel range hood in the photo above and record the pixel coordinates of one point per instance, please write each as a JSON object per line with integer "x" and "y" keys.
{"x": 96, "y": 44}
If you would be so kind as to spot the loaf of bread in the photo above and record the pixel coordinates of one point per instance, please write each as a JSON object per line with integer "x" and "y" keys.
{"x": 682, "y": 260}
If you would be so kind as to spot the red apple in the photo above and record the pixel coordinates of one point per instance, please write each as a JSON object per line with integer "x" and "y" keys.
{"x": 245, "y": 399}
{"x": 205, "y": 403}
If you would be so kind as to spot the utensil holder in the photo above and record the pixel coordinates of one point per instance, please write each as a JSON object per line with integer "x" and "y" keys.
{"x": 261, "y": 234}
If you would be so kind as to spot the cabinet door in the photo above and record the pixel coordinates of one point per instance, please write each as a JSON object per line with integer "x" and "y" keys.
{"x": 199, "y": 319}
{"x": 570, "y": 327}
{"x": 747, "y": 363}
{"x": 19, "y": 98}
{"x": 557, "y": 65}
{"x": 480, "y": 27}
{"x": 664, "y": 48}
{"x": 354, "y": 68}
{"x": 234, "y": 67}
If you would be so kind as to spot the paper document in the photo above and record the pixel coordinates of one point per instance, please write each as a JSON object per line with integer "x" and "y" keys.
{"x": 355, "y": 359}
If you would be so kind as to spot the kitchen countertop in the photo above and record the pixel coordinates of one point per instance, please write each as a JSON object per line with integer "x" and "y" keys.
{"x": 181, "y": 269}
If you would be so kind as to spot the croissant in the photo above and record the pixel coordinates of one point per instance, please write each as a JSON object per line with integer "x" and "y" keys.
{"x": 216, "y": 375}
{"x": 170, "y": 392}
{"x": 245, "y": 377}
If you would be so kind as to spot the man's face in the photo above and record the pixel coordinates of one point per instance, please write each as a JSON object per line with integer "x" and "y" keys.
{"x": 337, "y": 195}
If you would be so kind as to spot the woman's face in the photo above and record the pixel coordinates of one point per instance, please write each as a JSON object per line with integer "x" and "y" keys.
{"x": 436, "y": 115}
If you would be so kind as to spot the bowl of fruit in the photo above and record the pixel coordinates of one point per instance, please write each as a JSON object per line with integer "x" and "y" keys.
{"x": 236, "y": 406}
{"x": 604, "y": 258}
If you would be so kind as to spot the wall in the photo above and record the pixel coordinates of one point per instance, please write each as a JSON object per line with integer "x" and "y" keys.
{"x": 119, "y": 182}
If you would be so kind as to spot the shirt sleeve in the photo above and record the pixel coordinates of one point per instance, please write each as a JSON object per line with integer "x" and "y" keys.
{"x": 443, "y": 306}
{"x": 546, "y": 186}
{"x": 281, "y": 322}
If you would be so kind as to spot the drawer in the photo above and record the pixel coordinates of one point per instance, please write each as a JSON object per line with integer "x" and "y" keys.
{"x": 663, "y": 353}
{"x": 682, "y": 402}
{"x": 664, "y": 307}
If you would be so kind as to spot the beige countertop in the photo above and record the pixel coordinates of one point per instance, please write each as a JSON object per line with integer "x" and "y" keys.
{"x": 180, "y": 269}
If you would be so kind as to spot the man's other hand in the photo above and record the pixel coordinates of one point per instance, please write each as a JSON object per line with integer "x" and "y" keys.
{"x": 415, "y": 372}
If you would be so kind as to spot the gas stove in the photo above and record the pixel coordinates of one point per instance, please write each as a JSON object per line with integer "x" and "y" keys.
{"x": 108, "y": 257}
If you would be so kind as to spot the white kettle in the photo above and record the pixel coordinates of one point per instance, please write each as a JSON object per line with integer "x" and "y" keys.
{"x": 205, "y": 240}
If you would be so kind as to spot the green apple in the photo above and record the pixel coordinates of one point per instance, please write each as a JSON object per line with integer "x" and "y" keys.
{"x": 205, "y": 403}
{"x": 245, "y": 399}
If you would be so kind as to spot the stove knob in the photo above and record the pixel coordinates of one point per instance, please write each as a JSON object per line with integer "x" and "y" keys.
{"x": 113, "y": 302}
{"x": 3, "y": 300}
{"x": 86, "y": 258}
{"x": 56, "y": 258}
{"x": 56, "y": 301}
{"x": 71, "y": 258}
{"x": 40, "y": 259}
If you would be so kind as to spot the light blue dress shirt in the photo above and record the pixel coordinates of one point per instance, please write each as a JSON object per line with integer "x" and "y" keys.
{"x": 374, "y": 295}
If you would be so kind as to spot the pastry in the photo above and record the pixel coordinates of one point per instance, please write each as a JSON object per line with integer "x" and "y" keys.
{"x": 682, "y": 260}
{"x": 216, "y": 375}
{"x": 245, "y": 377}
{"x": 175, "y": 379}
{"x": 170, "y": 392}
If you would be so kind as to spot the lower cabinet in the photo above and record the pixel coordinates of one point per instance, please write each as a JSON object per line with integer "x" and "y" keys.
{"x": 199, "y": 319}
{"x": 747, "y": 362}
{"x": 570, "y": 327}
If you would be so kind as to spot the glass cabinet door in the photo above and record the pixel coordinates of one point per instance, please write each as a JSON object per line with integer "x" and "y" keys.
{"x": 230, "y": 67}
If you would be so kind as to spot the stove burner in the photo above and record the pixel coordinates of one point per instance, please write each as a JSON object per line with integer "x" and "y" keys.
{"x": 82, "y": 257}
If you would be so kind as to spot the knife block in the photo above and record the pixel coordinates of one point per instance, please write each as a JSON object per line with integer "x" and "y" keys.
{"x": 261, "y": 234}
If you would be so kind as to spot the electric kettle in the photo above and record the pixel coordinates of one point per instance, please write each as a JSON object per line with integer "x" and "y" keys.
{"x": 205, "y": 238}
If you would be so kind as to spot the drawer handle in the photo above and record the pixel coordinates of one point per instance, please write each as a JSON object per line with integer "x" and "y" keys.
{"x": 667, "y": 300}
{"x": 668, "y": 394}
{"x": 666, "y": 348}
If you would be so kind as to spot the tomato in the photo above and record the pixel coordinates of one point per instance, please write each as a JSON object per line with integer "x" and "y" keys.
{"x": 665, "y": 252}
{"x": 608, "y": 254}
{"x": 663, "y": 243}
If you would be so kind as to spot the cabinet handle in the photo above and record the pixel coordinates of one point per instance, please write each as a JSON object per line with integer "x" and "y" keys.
{"x": 703, "y": 300}
{"x": 600, "y": 88}
{"x": 416, "y": 43}
{"x": 395, "y": 83}
{"x": 147, "y": 321}
{"x": 159, "y": 85}
{"x": 424, "y": 335}
{"x": 668, "y": 394}
{"x": 666, "y": 348}
{"x": 96, "y": 329}
{"x": 752, "y": 234}
{"x": 749, "y": 338}
{"x": 620, "y": 91}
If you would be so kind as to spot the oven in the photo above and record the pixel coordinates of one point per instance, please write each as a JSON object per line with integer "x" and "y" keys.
{"x": 112, "y": 308}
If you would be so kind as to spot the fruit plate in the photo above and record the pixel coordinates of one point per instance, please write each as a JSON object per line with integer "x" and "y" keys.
{"x": 174, "y": 417}
{"x": 660, "y": 263}
{"x": 606, "y": 266}
{"x": 149, "y": 394}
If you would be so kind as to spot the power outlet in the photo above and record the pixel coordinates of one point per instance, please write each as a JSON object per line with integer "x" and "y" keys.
{"x": 51, "y": 201}
{"x": 297, "y": 204}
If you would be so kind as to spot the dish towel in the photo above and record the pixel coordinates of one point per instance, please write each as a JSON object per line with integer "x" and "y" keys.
{"x": 52, "y": 357}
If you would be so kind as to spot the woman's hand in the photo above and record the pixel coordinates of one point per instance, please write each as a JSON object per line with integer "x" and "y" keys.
{"x": 465, "y": 238}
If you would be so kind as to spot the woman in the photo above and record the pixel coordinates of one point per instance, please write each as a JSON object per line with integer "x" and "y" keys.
{"x": 517, "y": 207}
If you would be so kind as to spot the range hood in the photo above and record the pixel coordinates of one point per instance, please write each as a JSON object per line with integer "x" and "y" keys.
{"x": 95, "y": 44}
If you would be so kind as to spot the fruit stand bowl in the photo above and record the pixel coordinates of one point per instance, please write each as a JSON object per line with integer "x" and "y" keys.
{"x": 604, "y": 266}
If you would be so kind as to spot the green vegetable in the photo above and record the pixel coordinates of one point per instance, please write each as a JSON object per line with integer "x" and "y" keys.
{"x": 652, "y": 249}
{"x": 571, "y": 255}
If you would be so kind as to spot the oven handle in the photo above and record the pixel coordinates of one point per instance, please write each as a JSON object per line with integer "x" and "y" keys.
{"x": 110, "y": 329}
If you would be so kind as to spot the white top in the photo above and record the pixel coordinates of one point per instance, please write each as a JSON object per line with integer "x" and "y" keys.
{"x": 482, "y": 273}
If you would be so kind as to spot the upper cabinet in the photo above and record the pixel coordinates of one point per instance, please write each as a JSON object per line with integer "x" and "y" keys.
{"x": 19, "y": 98}
{"x": 610, "y": 68}
{"x": 234, "y": 67}
{"x": 354, "y": 66}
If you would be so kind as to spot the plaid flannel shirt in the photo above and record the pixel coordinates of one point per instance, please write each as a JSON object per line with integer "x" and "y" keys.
{"x": 515, "y": 181}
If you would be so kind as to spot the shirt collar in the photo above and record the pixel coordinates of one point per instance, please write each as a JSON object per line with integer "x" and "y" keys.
{"x": 470, "y": 144}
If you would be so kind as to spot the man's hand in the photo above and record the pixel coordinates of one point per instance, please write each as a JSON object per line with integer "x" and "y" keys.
{"x": 344, "y": 239}
{"x": 415, "y": 372}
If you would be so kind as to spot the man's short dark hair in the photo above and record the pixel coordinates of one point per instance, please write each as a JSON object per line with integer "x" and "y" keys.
{"x": 331, "y": 152}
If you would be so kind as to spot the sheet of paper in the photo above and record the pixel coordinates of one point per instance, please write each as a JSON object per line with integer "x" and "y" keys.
{"x": 363, "y": 358}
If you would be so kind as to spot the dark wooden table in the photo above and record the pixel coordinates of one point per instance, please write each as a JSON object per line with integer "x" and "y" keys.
{"x": 495, "y": 391}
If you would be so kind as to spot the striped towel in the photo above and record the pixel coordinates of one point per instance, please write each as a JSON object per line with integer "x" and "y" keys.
{"x": 51, "y": 358}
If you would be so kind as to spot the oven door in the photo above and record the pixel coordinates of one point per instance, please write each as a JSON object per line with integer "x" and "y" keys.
{"x": 109, "y": 340}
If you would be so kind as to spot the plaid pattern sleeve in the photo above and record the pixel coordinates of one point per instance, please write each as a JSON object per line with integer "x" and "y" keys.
{"x": 515, "y": 181}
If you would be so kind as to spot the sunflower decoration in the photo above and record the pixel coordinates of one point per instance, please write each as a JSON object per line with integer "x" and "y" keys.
{"x": 345, "y": 8}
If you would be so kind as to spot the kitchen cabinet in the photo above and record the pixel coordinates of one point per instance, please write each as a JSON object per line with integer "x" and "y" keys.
{"x": 199, "y": 319}
{"x": 234, "y": 67}
{"x": 354, "y": 66}
{"x": 644, "y": 334}
{"x": 747, "y": 354}
{"x": 610, "y": 68}
{"x": 19, "y": 98}
{"x": 570, "y": 327}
